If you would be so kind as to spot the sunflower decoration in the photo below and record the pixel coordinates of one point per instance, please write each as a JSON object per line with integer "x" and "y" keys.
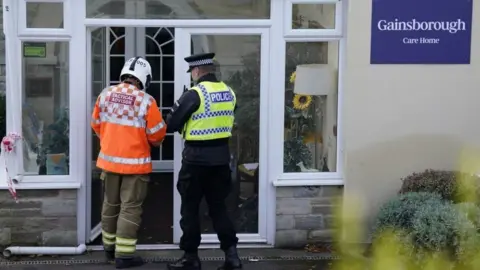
{"x": 293, "y": 76}
{"x": 310, "y": 137}
{"x": 301, "y": 102}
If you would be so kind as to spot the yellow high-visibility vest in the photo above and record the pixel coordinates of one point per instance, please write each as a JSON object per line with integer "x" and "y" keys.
{"x": 214, "y": 117}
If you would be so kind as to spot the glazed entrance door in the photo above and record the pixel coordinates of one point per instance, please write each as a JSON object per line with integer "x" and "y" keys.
{"x": 242, "y": 58}
{"x": 109, "y": 48}
{"x": 242, "y": 55}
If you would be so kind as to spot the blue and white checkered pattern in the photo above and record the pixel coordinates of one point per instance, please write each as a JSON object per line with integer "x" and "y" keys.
{"x": 206, "y": 97}
{"x": 200, "y": 62}
{"x": 208, "y": 113}
{"x": 212, "y": 114}
{"x": 210, "y": 131}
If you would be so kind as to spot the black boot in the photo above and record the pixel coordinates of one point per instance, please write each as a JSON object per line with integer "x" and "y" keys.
{"x": 128, "y": 262}
{"x": 189, "y": 261}
{"x": 110, "y": 255}
{"x": 232, "y": 261}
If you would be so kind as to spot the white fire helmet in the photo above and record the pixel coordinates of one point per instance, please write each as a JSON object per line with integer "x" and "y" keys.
{"x": 139, "y": 68}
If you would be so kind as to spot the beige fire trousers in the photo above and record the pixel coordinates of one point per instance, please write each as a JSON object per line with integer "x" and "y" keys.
{"x": 122, "y": 211}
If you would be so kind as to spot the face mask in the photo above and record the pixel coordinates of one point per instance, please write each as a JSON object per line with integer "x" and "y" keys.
{"x": 194, "y": 75}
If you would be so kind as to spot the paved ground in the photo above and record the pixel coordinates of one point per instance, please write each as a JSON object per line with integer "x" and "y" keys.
{"x": 254, "y": 259}
{"x": 271, "y": 265}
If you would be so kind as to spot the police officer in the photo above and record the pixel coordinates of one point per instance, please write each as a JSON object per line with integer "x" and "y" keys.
{"x": 127, "y": 120}
{"x": 204, "y": 116}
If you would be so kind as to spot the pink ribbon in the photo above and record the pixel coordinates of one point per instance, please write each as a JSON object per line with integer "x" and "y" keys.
{"x": 8, "y": 149}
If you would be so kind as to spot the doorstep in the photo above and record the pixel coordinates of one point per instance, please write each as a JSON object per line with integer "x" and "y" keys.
{"x": 162, "y": 256}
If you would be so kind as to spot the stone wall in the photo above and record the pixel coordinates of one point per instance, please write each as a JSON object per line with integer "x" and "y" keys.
{"x": 305, "y": 215}
{"x": 42, "y": 217}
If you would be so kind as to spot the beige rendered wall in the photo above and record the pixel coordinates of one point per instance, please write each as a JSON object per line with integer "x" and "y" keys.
{"x": 399, "y": 119}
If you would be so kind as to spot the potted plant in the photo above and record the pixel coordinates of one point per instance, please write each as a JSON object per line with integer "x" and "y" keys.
{"x": 301, "y": 123}
{"x": 53, "y": 158}
{"x": 295, "y": 155}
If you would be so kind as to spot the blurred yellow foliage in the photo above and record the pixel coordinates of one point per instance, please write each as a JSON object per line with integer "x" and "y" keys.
{"x": 386, "y": 253}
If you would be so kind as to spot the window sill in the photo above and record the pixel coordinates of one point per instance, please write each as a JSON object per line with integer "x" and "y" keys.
{"x": 309, "y": 179}
{"x": 43, "y": 185}
{"x": 308, "y": 182}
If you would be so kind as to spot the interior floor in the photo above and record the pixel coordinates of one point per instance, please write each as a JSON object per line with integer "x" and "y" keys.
{"x": 157, "y": 218}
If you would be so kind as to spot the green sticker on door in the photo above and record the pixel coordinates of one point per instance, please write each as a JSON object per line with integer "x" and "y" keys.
{"x": 35, "y": 49}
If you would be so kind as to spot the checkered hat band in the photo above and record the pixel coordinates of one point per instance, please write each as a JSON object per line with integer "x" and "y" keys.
{"x": 201, "y": 62}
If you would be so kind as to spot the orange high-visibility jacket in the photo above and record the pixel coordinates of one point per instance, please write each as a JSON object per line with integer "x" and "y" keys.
{"x": 126, "y": 120}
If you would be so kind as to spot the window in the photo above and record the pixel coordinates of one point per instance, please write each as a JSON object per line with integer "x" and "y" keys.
{"x": 44, "y": 15}
{"x": 179, "y": 9}
{"x": 45, "y": 111}
{"x": 313, "y": 16}
{"x": 45, "y": 18}
{"x": 157, "y": 47}
{"x": 159, "y": 51}
{"x": 310, "y": 143}
{"x": 313, "y": 33}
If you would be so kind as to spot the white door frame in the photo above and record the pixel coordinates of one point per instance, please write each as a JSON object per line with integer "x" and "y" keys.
{"x": 183, "y": 37}
{"x": 91, "y": 233}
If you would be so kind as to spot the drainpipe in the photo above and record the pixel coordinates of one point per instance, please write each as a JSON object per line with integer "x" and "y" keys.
{"x": 44, "y": 250}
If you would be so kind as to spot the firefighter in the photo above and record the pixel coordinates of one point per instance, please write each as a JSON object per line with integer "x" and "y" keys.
{"x": 204, "y": 116}
{"x": 127, "y": 120}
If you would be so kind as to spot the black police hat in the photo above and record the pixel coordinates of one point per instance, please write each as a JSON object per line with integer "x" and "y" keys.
{"x": 198, "y": 60}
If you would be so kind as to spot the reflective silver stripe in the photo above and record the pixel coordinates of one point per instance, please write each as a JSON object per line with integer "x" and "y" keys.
{"x": 139, "y": 123}
{"x": 156, "y": 128}
{"x": 127, "y": 161}
{"x": 96, "y": 121}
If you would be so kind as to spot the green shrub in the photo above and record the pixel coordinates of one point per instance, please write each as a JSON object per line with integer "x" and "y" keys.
{"x": 440, "y": 227}
{"x": 426, "y": 224}
{"x": 398, "y": 213}
{"x": 444, "y": 183}
{"x": 472, "y": 212}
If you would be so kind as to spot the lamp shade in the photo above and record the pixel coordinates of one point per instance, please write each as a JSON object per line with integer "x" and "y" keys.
{"x": 314, "y": 80}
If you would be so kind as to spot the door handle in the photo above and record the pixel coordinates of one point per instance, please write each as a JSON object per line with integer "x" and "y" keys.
{"x": 185, "y": 89}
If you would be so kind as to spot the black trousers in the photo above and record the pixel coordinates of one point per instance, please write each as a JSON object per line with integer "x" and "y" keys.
{"x": 213, "y": 182}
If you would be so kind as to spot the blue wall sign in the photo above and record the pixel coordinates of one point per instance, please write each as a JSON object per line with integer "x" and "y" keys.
{"x": 421, "y": 31}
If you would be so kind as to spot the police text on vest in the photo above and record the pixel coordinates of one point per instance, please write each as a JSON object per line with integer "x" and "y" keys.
{"x": 224, "y": 96}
